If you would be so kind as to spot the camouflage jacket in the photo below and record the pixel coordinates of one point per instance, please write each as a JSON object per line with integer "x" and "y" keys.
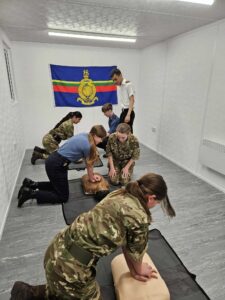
{"x": 123, "y": 151}
{"x": 64, "y": 131}
{"x": 118, "y": 220}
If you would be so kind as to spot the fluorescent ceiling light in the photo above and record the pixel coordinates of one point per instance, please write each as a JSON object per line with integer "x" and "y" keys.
{"x": 93, "y": 37}
{"x": 206, "y": 2}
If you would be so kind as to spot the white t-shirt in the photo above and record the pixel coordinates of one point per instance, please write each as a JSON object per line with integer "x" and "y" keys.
{"x": 125, "y": 90}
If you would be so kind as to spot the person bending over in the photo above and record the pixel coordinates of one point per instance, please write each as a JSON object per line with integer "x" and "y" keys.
{"x": 121, "y": 219}
{"x": 62, "y": 131}
{"x": 56, "y": 190}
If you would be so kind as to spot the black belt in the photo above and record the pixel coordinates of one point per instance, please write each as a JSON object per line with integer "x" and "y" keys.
{"x": 56, "y": 137}
{"x": 79, "y": 253}
{"x": 63, "y": 158}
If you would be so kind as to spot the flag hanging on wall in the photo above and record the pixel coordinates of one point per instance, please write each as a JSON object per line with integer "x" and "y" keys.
{"x": 83, "y": 86}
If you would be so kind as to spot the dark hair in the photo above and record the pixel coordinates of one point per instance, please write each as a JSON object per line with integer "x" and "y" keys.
{"x": 70, "y": 115}
{"x": 150, "y": 184}
{"x": 123, "y": 128}
{"x": 99, "y": 131}
{"x": 106, "y": 107}
{"x": 115, "y": 72}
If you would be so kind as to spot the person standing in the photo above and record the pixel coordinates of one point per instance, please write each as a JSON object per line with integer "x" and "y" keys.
{"x": 121, "y": 219}
{"x": 56, "y": 190}
{"x": 126, "y": 95}
{"x": 62, "y": 131}
{"x": 122, "y": 151}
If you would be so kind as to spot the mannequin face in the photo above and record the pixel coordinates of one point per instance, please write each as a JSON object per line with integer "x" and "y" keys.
{"x": 122, "y": 137}
{"x": 76, "y": 120}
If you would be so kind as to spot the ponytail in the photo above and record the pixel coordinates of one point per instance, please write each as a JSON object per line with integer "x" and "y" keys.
{"x": 99, "y": 131}
{"x": 93, "y": 151}
{"x": 151, "y": 184}
{"x": 167, "y": 207}
{"x": 70, "y": 115}
{"x": 134, "y": 189}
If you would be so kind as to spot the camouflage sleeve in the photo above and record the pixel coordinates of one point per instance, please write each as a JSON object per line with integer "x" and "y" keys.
{"x": 137, "y": 241}
{"x": 65, "y": 130}
{"x": 136, "y": 149}
{"x": 108, "y": 146}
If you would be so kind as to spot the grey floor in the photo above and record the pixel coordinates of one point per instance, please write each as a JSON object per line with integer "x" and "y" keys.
{"x": 197, "y": 234}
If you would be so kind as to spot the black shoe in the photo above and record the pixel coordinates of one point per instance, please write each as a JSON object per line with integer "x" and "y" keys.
{"x": 41, "y": 150}
{"x": 30, "y": 183}
{"x": 36, "y": 155}
{"x": 21, "y": 291}
{"x": 27, "y": 183}
{"x": 24, "y": 291}
{"x": 25, "y": 194}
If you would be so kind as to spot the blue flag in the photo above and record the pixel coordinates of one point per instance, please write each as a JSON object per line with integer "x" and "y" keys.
{"x": 83, "y": 86}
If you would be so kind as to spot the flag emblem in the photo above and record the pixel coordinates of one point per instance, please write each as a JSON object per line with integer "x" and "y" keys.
{"x": 87, "y": 90}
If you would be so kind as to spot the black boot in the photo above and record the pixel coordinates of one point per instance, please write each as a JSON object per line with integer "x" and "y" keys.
{"x": 26, "y": 194}
{"x": 36, "y": 155}
{"x": 41, "y": 150}
{"x": 24, "y": 291}
{"x": 27, "y": 183}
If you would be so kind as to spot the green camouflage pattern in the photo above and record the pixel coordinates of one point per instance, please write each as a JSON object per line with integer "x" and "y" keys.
{"x": 118, "y": 220}
{"x": 118, "y": 178}
{"x": 123, "y": 151}
{"x": 64, "y": 131}
{"x": 121, "y": 154}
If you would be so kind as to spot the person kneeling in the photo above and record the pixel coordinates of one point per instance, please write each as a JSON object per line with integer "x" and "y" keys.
{"x": 122, "y": 150}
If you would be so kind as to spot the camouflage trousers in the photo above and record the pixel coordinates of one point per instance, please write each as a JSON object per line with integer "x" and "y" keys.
{"x": 50, "y": 144}
{"x": 118, "y": 178}
{"x": 70, "y": 280}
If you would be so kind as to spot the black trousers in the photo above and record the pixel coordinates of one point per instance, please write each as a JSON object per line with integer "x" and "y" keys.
{"x": 56, "y": 190}
{"x": 103, "y": 144}
{"x": 132, "y": 116}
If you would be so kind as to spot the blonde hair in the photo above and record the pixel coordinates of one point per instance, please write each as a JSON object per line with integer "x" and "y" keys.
{"x": 99, "y": 131}
{"x": 123, "y": 128}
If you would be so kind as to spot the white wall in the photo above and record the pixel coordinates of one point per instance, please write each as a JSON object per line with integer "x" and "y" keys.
{"x": 11, "y": 141}
{"x": 35, "y": 88}
{"x": 182, "y": 89}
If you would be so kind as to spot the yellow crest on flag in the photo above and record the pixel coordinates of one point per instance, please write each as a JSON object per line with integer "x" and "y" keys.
{"x": 87, "y": 90}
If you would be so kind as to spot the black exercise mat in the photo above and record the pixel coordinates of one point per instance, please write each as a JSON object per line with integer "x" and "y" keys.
{"x": 78, "y": 202}
{"x": 180, "y": 282}
{"x": 82, "y": 166}
{"x": 75, "y": 166}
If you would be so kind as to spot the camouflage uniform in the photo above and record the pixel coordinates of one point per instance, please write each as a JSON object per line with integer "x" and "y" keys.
{"x": 118, "y": 220}
{"x": 52, "y": 139}
{"x": 121, "y": 154}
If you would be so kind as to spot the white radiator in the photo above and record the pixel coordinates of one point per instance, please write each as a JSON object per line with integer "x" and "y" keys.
{"x": 212, "y": 155}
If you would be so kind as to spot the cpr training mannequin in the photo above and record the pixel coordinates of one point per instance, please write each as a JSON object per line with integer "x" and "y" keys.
{"x": 99, "y": 189}
{"x": 126, "y": 287}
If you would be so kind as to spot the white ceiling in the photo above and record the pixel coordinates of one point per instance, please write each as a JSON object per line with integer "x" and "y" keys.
{"x": 150, "y": 21}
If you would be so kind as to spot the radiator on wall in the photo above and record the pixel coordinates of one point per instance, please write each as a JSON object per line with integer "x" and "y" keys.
{"x": 212, "y": 155}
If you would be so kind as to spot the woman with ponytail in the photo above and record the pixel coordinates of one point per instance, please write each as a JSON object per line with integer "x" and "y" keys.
{"x": 79, "y": 146}
{"x": 121, "y": 219}
{"x": 62, "y": 131}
